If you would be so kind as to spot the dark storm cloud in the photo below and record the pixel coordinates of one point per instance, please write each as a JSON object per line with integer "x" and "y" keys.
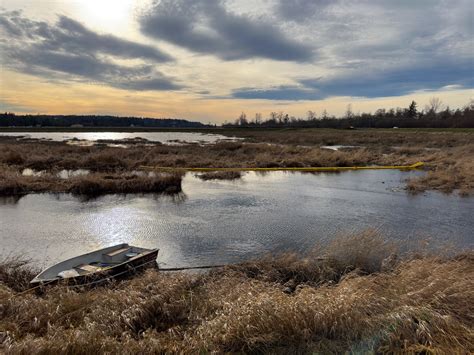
{"x": 207, "y": 26}
{"x": 74, "y": 36}
{"x": 152, "y": 83}
{"x": 283, "y": 92}
{"x": 298, "y": 10}
{"x": 68, "y": 50}
{"x": 401, "y": 81}
{"x": 378, "y": 48}
{"x": 391, "y": 83}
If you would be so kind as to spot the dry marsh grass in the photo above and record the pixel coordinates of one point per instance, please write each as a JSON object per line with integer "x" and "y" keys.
{"x": 57, "y": 156}
{"x": 17, "y": 272}
{"x": 99, "y": 184}
{"x": 365, "y": 137}
{"x": 342, "y": 302}
{"x": 448, "y": 155}
{"x": 450, "y": 170}
{"x": 13, "y": 183}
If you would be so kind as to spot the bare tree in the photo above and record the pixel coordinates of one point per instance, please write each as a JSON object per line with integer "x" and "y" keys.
{"x": 242, "y": 119}
{"x": 280, "y": 117}
{"x": 434, "y": 105}
{"x": 311, "y": 115}
{"x": 349, "y": 113}
{"x": 273, "y": 117}
{"x": 258, "y": 118}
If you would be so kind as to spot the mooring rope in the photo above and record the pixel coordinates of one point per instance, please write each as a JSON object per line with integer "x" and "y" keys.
{"x": 102, "y": 280}
{"x": 190, "y": 268}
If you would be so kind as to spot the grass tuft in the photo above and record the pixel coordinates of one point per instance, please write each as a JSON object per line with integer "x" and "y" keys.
{"x": 220, "y": 175}
{"x": 16, "y": 273}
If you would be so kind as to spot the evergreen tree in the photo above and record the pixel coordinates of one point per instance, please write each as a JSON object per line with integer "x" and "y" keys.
{"x": 412, "y": 112}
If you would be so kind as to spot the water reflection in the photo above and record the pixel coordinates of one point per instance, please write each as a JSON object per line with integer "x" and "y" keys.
{"x": 176, "y": 198}
{"x": 84, "y": 138}
{"x": 31, "y": 172}
{"x": 10, "y": 200}
{"x": 66, "y": 174}
{"x": 340, "y": 147}
{"x": 62, "y": 174}
{"x": 229, "y": 221}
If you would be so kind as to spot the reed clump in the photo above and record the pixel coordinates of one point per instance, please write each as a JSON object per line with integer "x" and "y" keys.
{"x": 220, "y": 175}
{"x": 12, "y": 183}
{"x": 99, "y": 184}
{"x": 342, "y": 301}
{"x": 448, "y": 171}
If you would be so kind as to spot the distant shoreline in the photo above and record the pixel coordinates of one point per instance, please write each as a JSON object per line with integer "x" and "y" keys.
{"x": 218, "y": 129}
{"x": 103, "y": 129}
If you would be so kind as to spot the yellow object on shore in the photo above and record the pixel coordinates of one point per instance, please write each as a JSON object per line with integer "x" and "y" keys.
{"x": 309, "y": 169}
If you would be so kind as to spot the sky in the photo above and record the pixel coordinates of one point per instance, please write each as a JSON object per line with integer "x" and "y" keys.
{"x": 209, "y": 60}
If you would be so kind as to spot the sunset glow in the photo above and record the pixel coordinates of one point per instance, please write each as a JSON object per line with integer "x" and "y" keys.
{"x": 209, "y": 60}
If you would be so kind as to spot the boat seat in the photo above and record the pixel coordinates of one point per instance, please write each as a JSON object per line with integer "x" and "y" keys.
{"x": 87, "y": 268}
{"x": 68, "y": 273}
{"x": 117, "y": 255}
{"x": 118, "y": 251}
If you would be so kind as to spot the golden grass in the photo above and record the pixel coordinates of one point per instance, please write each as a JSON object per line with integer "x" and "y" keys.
{"x": 450, "y": 170}
{"x": 344, "y": 301}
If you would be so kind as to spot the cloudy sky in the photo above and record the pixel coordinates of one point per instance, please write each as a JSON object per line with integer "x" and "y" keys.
{"x": 209, "y": 60}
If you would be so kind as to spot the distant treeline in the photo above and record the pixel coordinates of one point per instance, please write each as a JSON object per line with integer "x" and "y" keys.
{"x": 10, "y": 119}
{"x": 433, "y": 116}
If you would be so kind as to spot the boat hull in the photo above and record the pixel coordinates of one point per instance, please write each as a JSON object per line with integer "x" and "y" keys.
{"x": 123, "y": 270}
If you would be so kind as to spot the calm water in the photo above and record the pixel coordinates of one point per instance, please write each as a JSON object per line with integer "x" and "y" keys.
{"x": 220, "y": 222}
{"x": 163, "y": 137}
